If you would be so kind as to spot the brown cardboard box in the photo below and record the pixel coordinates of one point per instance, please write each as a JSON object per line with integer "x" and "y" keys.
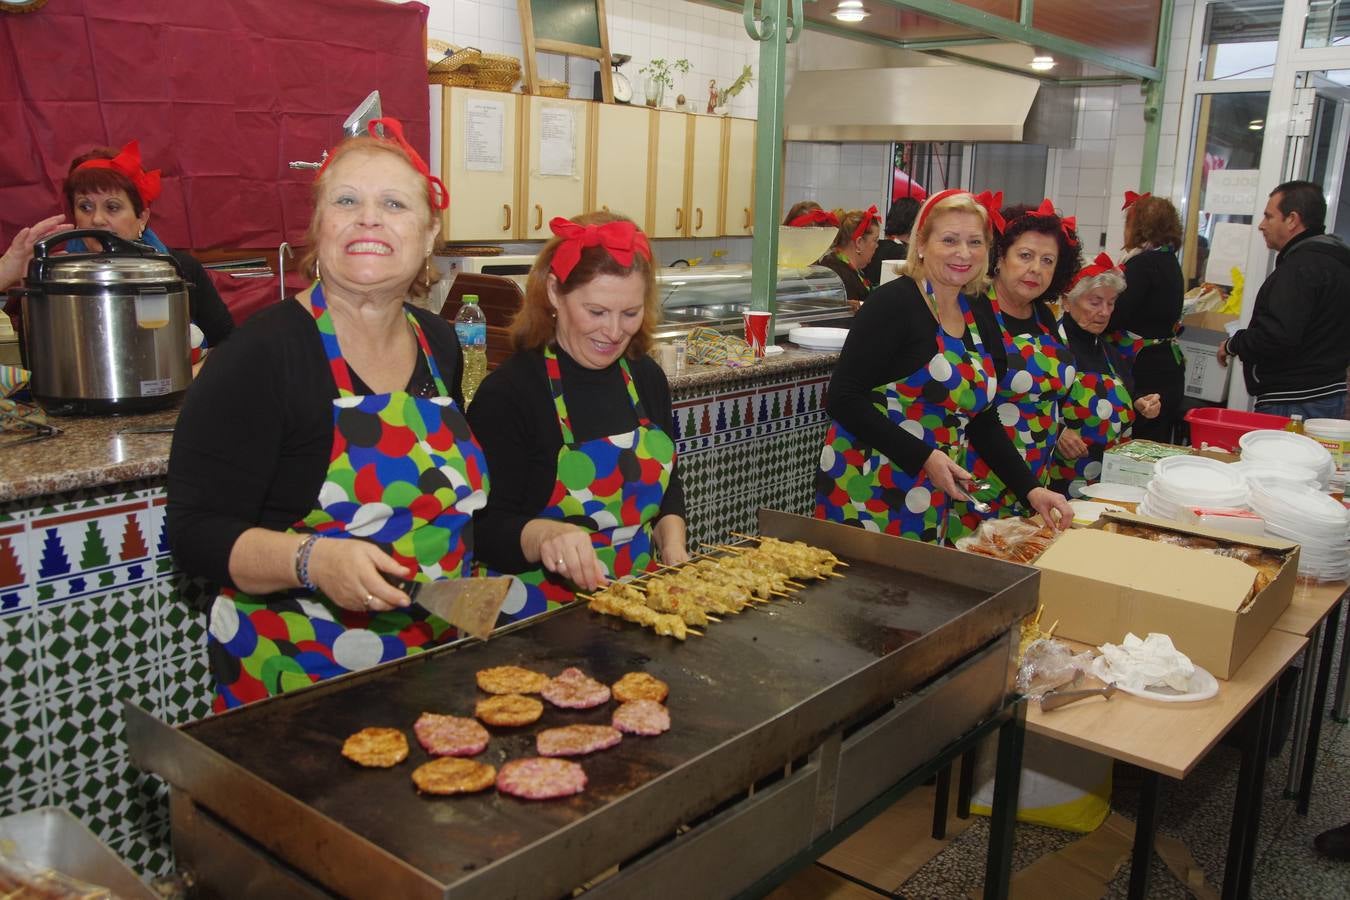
{"x": 1101, "y": 586}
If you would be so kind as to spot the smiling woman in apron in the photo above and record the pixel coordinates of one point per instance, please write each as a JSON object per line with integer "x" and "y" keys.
{"x": 576, "y": 424}
{"x": 915, "y": 382}
{"x": 1098, "y": 412}
{"x": 322, "y": 451}
{"x": 1037, "y": 254}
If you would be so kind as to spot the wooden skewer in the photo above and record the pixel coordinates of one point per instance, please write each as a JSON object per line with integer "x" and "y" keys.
{"x": 1051, "y": 632}
{"x": 711, "y": 618}
{"x": 750, "y": 537}
{"x": 694, "y": 631}
{"x": 780, "y": 593}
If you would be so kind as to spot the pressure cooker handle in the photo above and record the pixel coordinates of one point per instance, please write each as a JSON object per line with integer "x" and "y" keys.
{"x": 111, "y": 243}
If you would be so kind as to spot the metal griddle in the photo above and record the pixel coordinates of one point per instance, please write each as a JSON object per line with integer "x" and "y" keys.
{"x": 759, "y": 691}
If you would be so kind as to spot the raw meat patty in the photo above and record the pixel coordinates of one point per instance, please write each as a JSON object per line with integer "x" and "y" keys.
{"x": 450, "y": 735}
{"x": 574, "y": 689}
{"x": 510, "y": 680}
{"x": 453, "y": 776}
{"x": 640, "y": 686}
{"x": 576, "y": 740}
{"x": 538, "y": 778}
{"x": 642, "y": 717}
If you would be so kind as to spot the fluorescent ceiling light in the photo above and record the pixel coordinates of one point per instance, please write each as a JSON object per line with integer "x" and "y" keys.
{"x": 1042, "y": 63}
{"x": 1256, "y": 124}
{"x": 850, "y": 11}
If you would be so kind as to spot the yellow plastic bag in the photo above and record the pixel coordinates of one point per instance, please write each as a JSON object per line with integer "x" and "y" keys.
{"x": 1061, "y": 786}
{"x": 1234, "y": 305}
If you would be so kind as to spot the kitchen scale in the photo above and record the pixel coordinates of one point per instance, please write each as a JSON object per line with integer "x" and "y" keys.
{"x": 623, "y": 89}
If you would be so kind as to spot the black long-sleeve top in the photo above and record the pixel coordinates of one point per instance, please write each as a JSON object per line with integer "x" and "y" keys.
{"x": 886, "y": 249}
{"x": 515, "y": 420}
{"x": 854, "y": 287}
{"x": 207, "y": 311}
{"x": 1088, "y": 349}
{"x": 893, "y": 336}
{"x": 1150, "y": 305}
{"x": 253, "y": 439}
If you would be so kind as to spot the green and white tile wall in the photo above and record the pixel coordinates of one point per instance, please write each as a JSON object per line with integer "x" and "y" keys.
{"x": 91, "y": 613}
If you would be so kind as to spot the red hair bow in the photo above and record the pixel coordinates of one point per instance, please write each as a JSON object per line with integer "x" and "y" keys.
{"x": 816, "y": 217}
{"x": 1103, "y": 263}
{"x": 1131, "y": 198}
{"x": 1067, "y": 224}
{"x": 993, "y": 204}
{"x": 868, "y": 218}
{"x": 620, "y": 240}
{"x": 128, "y": 163}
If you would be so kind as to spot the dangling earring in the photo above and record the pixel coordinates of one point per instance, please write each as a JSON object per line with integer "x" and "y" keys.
{"x": 428, "y": 268}
{"x": 319, "y": 277}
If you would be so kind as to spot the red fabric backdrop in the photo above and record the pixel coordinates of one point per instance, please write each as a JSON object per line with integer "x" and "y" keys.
{"x": 222, "y": 94}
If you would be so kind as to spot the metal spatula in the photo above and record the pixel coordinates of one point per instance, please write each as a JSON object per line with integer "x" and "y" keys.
{"x": 469, "y": 604}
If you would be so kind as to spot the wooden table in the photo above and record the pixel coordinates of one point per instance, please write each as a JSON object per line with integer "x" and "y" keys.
{"x": 1314, "y": 613}
{"x": 1171, "y": 739}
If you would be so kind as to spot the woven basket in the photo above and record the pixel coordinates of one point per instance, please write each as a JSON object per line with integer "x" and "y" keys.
{"x": 550, "y": 88}
{"x": 443, "y": 57}
{"x": 495, "y": 80}
{"x": 488, "y": 62}
{"x": 450, "y": 79}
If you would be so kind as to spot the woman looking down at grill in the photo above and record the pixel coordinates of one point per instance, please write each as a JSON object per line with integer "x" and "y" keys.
{"x": 915, "y": 382}
{"x": 859, "y": 232}
{"x": 321, "y": 458}
{"x": 579, "y": 416}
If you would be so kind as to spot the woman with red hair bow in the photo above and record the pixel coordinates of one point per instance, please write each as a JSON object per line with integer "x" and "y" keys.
{"x": 579, "y": 418}
{"x": 859, "y": 232}
{"x": 915, "y": 383}
{"x": 321, "y": 459}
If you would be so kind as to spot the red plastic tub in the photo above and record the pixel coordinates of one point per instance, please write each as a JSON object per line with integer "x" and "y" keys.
{"x": 1222, "y": 428}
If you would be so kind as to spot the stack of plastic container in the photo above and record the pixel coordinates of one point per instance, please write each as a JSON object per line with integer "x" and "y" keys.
{"x": 1278, "y": 473}
{"x": 1286, "y": 448}
{"x": 1184, "y": 481}
{"x": 1313, "y": 519}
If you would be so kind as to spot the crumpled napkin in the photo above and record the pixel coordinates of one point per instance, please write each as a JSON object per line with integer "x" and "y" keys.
{"x": 1138, "y": 664}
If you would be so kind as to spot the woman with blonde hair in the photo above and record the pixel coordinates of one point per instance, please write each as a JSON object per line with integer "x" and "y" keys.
{"x": 575, "y": 424}
{"x": 859, "y": 232}
{"x": 915, "y": 382}
{"x": 321, "y": 460}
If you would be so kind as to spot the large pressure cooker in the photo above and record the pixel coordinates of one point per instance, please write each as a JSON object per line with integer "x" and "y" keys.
{"x": 105, "y": 331}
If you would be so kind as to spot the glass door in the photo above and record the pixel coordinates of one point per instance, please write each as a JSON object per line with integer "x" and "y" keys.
{"x": 1317, "y": 150}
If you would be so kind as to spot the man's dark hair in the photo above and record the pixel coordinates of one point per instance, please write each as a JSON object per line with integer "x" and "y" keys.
{"x": 900, "y": 217}
{"x": 1304, "y": 198}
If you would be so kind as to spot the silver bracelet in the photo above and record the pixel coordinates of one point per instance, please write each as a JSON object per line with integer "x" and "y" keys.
{"x": 302, "y": 554}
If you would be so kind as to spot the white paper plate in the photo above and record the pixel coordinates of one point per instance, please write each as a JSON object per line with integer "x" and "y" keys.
{"x": 1120, "y": 493}
{"x": 1085, "y": 512}
{"x": 818, "y": 338}
{"x": 1203, "y": 685}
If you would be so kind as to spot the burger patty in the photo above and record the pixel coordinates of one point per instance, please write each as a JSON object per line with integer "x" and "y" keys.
{"x": 376, "y": 748}
{"x": 450, "y": 735}
{"x": 509, "y": 710}
{"x": 510, "y": 680}
{"x": 576, "y": 740}
{"x": 537, "y": 778}
{"x": 574, "y": 689}
{"x": 449, "y": 775}
{"x": 640, "y": 686}
{"x": 645, "y": 717}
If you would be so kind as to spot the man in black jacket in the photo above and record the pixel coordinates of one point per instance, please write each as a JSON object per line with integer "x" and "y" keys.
{"x": 1296, "y": 348}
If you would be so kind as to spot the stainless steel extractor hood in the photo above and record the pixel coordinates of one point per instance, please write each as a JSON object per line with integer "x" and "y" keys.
{"x": 928, "y": 103}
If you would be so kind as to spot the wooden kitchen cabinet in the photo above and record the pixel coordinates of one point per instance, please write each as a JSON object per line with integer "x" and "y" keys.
{"x": 480, "y": 165}
{"x": 738, "y": 191}
{"x": 705, "y": 177}
{"x": 620, "y": 155}
{"x": 556, "y": 135}
{"x": 670, "y": 136}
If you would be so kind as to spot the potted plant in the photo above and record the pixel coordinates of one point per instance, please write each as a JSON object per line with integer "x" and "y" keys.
{"x": 661, "y": 75}
{"x": 741, "y": 82}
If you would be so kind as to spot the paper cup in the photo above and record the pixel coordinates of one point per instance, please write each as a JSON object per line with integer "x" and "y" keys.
{"x": 757, "y": 330}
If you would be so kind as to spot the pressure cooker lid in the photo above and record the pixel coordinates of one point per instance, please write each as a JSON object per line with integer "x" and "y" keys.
{"x": 118, "y": 262}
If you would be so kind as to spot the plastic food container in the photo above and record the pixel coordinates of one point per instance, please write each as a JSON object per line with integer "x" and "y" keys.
{"x": 1222, "y": 428}
{"x": 1334, "y": 434}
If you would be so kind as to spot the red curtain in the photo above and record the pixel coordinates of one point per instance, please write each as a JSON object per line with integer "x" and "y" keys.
{"x": 222, "y": 94}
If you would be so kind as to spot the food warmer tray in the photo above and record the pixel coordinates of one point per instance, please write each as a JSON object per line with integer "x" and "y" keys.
{"x": 871, "y": 675}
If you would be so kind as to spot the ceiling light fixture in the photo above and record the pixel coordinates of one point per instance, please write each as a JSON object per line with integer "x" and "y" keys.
{"x": 1042, "y": 63}
{"x": 850, "y": 11}
{"x": 1256, "y": 124}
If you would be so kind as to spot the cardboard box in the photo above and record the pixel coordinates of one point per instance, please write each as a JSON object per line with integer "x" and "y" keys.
{"x": 1200, "y": 338}
{"x": 1101, "y": 586}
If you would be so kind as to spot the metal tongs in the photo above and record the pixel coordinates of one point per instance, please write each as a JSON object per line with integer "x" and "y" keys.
{"x": 20, "y": 417}
{"x": 978, "y": 487}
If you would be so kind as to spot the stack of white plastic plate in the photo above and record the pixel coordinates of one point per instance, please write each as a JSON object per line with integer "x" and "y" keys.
{"x": 1317, "y": 522}
{"x": 1284, "y": 448}
{"x": 1281, "y": 473}
{"x": 1182, "y": 481}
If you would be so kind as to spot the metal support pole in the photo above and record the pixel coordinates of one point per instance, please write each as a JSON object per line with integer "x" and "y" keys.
{"x": 1307, "y": 681}
{"x": 1338, "y": 709}
{"x": 1003, "y": 815}
{"x": 774, "y": 30}
{"x": 964, "y": 785}
{"x": 942, "y": 789}
{"x": 1154, "y": 92}
{"x": 1331, "y": 623}
{"x": 1145, "y": 833}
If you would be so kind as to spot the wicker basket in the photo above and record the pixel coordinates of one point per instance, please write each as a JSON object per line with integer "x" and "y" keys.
{"x": 488, "y": 62}
{"x": 443, "y": 57}
{"x": 500, "y": 80}
{"x": 450, "y": 79}
{"x": 550, "y": 88}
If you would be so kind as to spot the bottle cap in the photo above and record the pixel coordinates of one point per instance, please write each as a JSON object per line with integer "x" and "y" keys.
{"x": 470, "y": 298}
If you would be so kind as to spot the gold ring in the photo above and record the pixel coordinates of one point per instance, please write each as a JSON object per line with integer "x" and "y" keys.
{"x": 370, "y": 598}
{"x": 560, "y": 562}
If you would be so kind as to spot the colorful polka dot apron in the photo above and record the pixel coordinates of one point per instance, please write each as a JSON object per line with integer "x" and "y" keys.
{"x": 1100, "y": 408}
{"x": 1129, "y": 345}
{"x": 404, "y": 473}
{"x": 858, "y": 486}
{"x": 1040, "y": 370}
{"x": 611, "y": 486}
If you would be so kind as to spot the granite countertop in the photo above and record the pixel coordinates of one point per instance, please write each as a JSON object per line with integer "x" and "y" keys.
{"x": 88, "y": 452}
{"x": 792, "y": 359}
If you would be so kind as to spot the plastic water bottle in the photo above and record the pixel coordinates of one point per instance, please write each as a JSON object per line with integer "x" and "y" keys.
{"x": 471, "y": 329}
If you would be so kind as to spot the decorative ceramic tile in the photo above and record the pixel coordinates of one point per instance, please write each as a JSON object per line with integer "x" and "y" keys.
{"x": 32, "y": 797}
{"x": 148, "y": 852}
{"x": 20, "y": 671}
{"x": 92, "y": 638}
{"x": 84, "y": 724}
{"x": 185, "y": 688}
{"x": 92, "y": 551}
{"x": 182, "y": 625}
{"x": 113, "y": 800}
{"x": 23, "y": 752}
{"x": 16, "y": 588}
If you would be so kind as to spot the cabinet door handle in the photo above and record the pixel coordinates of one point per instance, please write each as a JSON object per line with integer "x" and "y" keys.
{"x": 747, "y": 218}
{"x": 538, "y": 217}
{"x": 698, "y": 222}
{"x": 506, "y": 210}
{"x": 679, "y": 218}
{"x": 605, "y": 207}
